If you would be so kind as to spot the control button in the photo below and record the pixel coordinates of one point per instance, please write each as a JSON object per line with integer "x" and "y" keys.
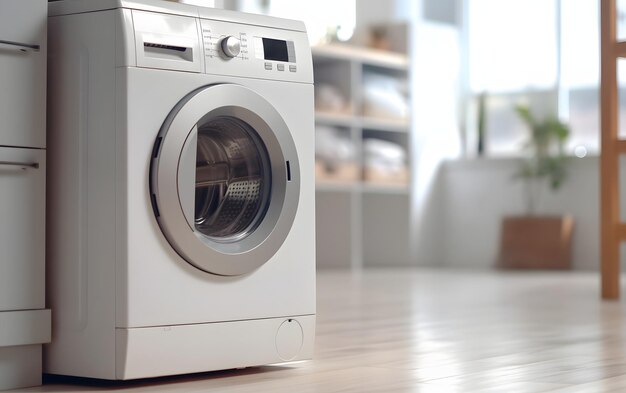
{"x": 280, "y": 67}
{"x": 292, "y": 68}
{"x": 268, "y": 66}
{"x": 231, "y": 46}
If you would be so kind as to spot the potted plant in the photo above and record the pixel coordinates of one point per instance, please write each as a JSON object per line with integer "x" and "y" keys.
{"x": 532, "y": 240}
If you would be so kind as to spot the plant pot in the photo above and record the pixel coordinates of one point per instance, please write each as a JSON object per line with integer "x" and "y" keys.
{"x": 536, "y": 242}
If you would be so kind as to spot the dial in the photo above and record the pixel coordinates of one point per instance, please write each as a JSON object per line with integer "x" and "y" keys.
{"x": 231, "y": 46}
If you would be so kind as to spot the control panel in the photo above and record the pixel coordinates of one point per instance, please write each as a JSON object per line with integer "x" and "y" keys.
{"x": 224, "y": 46}
{"x": 255, "y": 51}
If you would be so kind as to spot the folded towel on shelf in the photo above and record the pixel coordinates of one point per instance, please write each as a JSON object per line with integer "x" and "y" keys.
{"x": 384, "y": 96}
{"x": 329, "y": 98}
{"x": 384, "y": 162}
{"x": 333, "y": 147}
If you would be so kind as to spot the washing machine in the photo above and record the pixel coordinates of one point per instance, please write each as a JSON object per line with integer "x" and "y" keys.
{"x": 181, "y": 189}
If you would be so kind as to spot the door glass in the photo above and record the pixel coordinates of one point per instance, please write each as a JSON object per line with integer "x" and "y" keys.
{"x": 233, "y": 179}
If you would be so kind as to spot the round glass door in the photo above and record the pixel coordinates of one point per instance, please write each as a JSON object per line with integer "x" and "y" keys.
{"x": 233, "y": 179}
{"x": 224, "y": 179}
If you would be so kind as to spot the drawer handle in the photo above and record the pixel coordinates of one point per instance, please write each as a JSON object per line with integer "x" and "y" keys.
{"x": 19, "y": 46}
{"x": 24, "y": 165}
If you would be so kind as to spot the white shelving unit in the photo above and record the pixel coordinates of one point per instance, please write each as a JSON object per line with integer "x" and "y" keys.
{"x": 361, "y": 223}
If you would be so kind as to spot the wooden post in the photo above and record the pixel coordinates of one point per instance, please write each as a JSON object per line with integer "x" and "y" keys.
{"x": 609, "y": 163}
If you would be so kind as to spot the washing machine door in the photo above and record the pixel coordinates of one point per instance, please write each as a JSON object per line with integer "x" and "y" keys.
{"x": 225, "y": 179}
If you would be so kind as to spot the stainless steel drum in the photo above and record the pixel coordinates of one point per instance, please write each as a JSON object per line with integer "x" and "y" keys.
{"x": 233, "y": 179}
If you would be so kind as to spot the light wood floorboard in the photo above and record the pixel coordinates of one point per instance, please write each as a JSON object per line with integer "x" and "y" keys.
{"x": 436, "y": 331}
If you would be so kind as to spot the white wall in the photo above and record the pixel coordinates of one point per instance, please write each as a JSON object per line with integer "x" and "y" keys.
{"x": 435, "y": 134}
{"x": 473, "y": 196}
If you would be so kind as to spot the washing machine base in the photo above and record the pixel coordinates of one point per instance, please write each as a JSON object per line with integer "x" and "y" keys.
{"x": 168, "y": 350}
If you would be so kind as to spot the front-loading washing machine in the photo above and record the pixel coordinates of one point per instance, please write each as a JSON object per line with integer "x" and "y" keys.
{"x": 181, "y": 189}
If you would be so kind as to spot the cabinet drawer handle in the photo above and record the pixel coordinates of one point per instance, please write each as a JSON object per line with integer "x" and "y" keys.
{"x": 24, "y": 165}
{"x": 19, "y": 46}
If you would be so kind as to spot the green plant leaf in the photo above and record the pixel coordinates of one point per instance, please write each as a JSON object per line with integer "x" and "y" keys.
{"x": 524, "y": 113}
{"x": 545, "y": 142}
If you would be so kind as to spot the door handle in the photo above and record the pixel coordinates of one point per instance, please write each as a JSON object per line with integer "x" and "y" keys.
{"x": 19, "y": 46}
{"x": 23, "y": 165}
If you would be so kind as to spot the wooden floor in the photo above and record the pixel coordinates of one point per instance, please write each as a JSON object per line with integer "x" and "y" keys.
{"x": 437, "y": 331}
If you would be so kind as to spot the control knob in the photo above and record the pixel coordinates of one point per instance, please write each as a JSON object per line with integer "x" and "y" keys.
{"x": 231, "y": 46}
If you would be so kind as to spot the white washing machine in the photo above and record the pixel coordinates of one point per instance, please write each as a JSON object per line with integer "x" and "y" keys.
{"x": 181, "y": 189}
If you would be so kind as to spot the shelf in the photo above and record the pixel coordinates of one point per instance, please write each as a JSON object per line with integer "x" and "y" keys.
{"x": 384, "y": 189}
{"x": 366, "y": 56}
{"x": 327, "y": 186}
{"x": 512, "y": 162}
{"x": 382, "y": 124}
{"x": 368, "y": 123}
{"x": 358, "y": 216}
{"x": 336, "y": 119}
{"x": 363, "y": 187}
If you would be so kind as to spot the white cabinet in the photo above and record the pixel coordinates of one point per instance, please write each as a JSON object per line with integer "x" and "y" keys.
{"x": 24, "y": 321}
{"x": 23, "y": 73}
{"x": 22, "y": 333}
{"x": 22, "y": 228}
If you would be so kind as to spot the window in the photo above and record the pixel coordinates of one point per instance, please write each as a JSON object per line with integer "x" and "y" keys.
{"x": 621, "y": 20}
{"x": 580, "y": 72}
{"x": 544, "y": 53}
{"x": 512, "y": 45}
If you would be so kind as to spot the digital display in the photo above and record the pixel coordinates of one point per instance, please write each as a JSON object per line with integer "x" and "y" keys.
{"x": 275, "y": 50}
